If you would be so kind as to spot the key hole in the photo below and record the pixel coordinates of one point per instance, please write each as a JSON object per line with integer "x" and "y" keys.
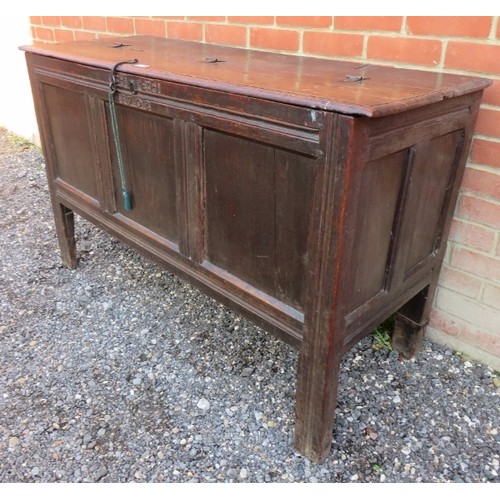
{"x": 132, "y": 88}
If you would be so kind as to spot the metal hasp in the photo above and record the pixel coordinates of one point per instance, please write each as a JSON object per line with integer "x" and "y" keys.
{"x": 127, "y": 201}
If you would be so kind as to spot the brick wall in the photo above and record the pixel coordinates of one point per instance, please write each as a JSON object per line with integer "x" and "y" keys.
{"x": 466, "y": 314}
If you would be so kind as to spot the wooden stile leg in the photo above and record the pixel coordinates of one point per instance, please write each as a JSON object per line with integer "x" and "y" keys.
{"x": 407, "y": 336}
{"x": 317, "y": 386}
{"x": 410, "y": 322}
{"x": 65, "y": 227}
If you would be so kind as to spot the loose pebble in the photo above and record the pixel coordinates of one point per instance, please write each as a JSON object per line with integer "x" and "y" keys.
{"x": 203, "y": 404}
{"x": 13, "y": 442}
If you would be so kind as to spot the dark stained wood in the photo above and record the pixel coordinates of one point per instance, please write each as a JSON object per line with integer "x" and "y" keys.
{"x": 148, "y": 151}
{"x": 71, "y": 144}
{"x": 409, "y": 324}
{"x": 381, "y": 187}
{"x": 317, "y": 207}
{"x": 258, "y": 208}
{"x": 324, "y": 324}
{"x": 317, "y": 83}
{"x": 434, "y": 160}
{"x": 240, "y": 208}
{"x": 295, "y": 176}
{"x": 65, "y": 228}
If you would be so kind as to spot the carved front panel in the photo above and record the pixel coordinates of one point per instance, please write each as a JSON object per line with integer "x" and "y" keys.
{"x": 136, "y": 84}
{"x": 133, "y": 101}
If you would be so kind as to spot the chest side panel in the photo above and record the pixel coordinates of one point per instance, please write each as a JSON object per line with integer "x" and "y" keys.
{"x": 401, "y": 204}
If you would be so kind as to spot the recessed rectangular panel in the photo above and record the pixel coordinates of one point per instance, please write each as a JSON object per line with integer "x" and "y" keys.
{"x": 70, "y": 138}
{"x": 294, "y": 183}
{"x": 434, "y": 160}
{"x": 240, "y": 211}
{"x": 147, "y": 143}
{"x": 258, "y": 201}
{"x": 380, "y": 190}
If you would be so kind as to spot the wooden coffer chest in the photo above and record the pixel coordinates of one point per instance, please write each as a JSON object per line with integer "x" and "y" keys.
{"x": 313, "y": 196}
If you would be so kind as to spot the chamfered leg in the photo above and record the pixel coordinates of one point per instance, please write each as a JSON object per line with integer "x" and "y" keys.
{"x": 410, "y": 322}
{"x": 65, "y": 228}
{"x": 317, "y": 387}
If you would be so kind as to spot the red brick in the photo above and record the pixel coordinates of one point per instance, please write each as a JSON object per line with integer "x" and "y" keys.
{"x": 185, "y": 31}
{"x": 485, "y": 339}
{"x": 45, "y": 34}
{"x": 471, "y": 235}
{"x": 85, "y": 35}
{"x": 120, "y": 25}
{"x": 445, "y": 322}
{"x": 488, "y": 122}
{"x": 460, "y": 282}
{"x": 152, "y": 27}
{"x": 472, "y": 262}
{"x": 251, "y": 19}
{"x": 406, "y": 50}
{"x": 333, "y": 44}
{"x": 368, "y": 23}
{"x": 470, "y": 310}
{"x": 35, "y": 19}
{"x": 225, "y": 34}
{"x": 492, "y": 93}
{"x": 63, "y": 35}
{"x": 480, "y": 211}
{"x": 269, "y": 38}
{"x": 470, "y": 56}
{"x": 51, "y": 20}
{"x": 492, "y": 296}
{"x": 102, "y": 36}
{"x": 94, "y": 23}
{"x": 462, "y": 26}
{"x": 481, "y": 182}
{"x": 173, "y": 18}
{"x": 305, "y": 21}
{"x": 486, "y": 152}
{"x": 208, "y": 18}
{"x": 71, "y": 21}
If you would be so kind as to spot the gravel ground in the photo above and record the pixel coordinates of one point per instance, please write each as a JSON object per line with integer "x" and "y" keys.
{"x": 120, "y": 372}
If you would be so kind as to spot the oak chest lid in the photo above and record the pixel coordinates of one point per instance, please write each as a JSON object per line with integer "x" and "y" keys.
{"x": 333, "y": 85}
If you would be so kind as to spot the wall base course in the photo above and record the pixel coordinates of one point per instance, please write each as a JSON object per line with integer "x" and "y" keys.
{"x": 456, "y": 344}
